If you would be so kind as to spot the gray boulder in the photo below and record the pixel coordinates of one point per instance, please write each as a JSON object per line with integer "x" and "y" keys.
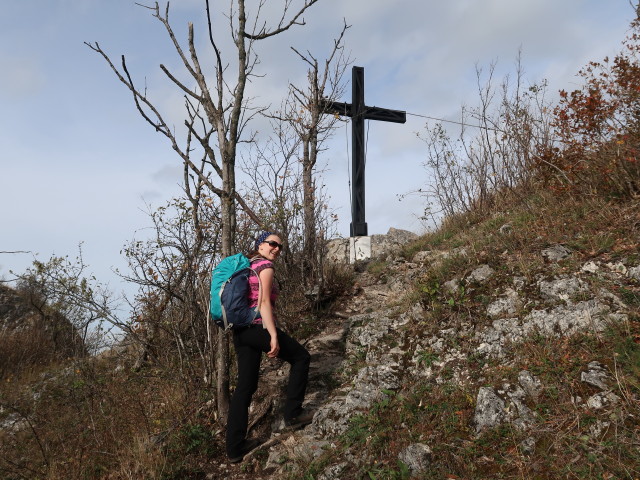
{"x": 555, "y": 253}
{"x": 596, "y": 376}
{"x": 417, "y": 457}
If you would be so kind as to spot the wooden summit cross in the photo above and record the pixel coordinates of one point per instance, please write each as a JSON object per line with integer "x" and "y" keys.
{"x": 359, "y": 112}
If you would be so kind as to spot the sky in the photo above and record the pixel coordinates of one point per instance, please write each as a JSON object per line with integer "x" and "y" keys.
{"x": 78, "y": 165}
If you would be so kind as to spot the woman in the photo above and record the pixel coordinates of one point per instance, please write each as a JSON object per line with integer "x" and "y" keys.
{"x": 263, "y": 335}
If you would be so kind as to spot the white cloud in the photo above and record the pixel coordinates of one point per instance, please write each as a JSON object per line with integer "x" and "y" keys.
{"x": 168, "y": 174}
{"x": 21, "y": 77}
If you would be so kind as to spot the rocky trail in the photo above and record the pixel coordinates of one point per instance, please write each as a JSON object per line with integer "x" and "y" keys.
{"x": 367, "y": 350}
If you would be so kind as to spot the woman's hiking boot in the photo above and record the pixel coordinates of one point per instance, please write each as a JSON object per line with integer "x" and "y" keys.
{"x": 246, "y": 448}
{"x": 305, "y": 417}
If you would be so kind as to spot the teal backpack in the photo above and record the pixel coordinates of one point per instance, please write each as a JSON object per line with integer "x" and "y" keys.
{"x": 229, "y": 294}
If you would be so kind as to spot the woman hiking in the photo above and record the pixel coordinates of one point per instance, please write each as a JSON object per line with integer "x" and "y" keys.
{"x": 263, "y": 335}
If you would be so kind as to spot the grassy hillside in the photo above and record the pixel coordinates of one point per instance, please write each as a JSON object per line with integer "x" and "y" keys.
{"x": 567, "y": 432}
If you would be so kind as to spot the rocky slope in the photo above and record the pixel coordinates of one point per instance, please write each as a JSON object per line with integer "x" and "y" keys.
{"x": 472, "y": 330}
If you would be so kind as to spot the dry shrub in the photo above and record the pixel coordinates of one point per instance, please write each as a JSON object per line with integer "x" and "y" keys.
{"x": 494, "y": 155}
{"x": 33, "y": 335}
{"x": 142, "y": 458}
{"x": 588, "y": 144}
{"x": 25, "y": 350}
{"x": 339, "y": 279}
{"x": 90, "y": 419}
{"x": 599, "y": 127}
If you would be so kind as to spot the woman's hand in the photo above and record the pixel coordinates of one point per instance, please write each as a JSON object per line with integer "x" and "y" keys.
{"x": 275, "y": 348}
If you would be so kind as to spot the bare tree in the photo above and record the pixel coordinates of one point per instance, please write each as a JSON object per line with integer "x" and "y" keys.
{"x": 303, "y": 113}
{"x": 216, "y": 115}
{"x": 274, "y": 186}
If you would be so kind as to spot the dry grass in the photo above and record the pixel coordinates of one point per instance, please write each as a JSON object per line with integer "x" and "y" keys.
{"x": 91, "y": 421}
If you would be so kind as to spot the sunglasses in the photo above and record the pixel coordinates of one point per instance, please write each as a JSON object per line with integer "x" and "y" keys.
{"x": 274, "y": 244}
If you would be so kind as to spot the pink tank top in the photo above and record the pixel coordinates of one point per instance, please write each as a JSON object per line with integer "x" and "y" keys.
{"x": 258, "y": 265}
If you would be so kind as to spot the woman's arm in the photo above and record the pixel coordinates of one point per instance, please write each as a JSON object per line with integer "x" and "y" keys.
{"x": 266, "y": 310}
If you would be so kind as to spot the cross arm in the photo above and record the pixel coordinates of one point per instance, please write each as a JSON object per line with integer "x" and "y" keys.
{"x": 385, "y": 115}
{"x": 337, "y": 108}
{"x": 369, "y": 113}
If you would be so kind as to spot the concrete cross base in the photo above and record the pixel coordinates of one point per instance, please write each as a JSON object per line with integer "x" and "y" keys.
{"x": 359, "y": 248}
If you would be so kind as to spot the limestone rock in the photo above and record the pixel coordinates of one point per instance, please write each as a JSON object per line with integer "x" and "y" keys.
{"x": 383, "y": 244}
{"x": 505, "y": 229}
{"x": 417, "y": 457}
{"x": 634, "y": 272}
{"x": 555, "y": 253}
{"x": 338, "y": 248}
{"x": 617, "y": 268}
{"x": 530, "y": 383}
{"x": 13, "y": 423}
{"x": 519, "y": 282}
{"x": 452, "y": 286}
{"x": 333, "y": 472}
{"x": 505, "y": 305}
{"x": 481, "y": 274}
{"x": 602, "y": 400}
{"x": 596, "y": 376}
{"x": 528, "y": 446}
{"x": 423, "y": 257}
{"x": 598, "y": 429}
{"x": 561, "y": 289}
{"x": 517, "y": 411}
{"x": 506, "y": 405}
{"x": 590, "y": 267}
{"x": 489, "y": 411}
{"x": 562, "y": 320}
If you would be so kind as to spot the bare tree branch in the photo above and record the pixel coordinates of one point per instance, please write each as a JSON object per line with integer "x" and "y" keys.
{"x": 282, "y": 26}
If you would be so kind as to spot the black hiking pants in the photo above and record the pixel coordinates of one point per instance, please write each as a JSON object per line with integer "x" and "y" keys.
{"x": 249, "y": 344}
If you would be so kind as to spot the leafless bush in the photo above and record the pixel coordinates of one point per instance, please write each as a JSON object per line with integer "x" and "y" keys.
{"x": 274, "y": 190}
{"x": 172, "y": 269}
{"x": 284, "y": 176}
{"x": 496, "y": 150}
{"x": 24, "y": 350}
{"x": 66, "y": 297}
